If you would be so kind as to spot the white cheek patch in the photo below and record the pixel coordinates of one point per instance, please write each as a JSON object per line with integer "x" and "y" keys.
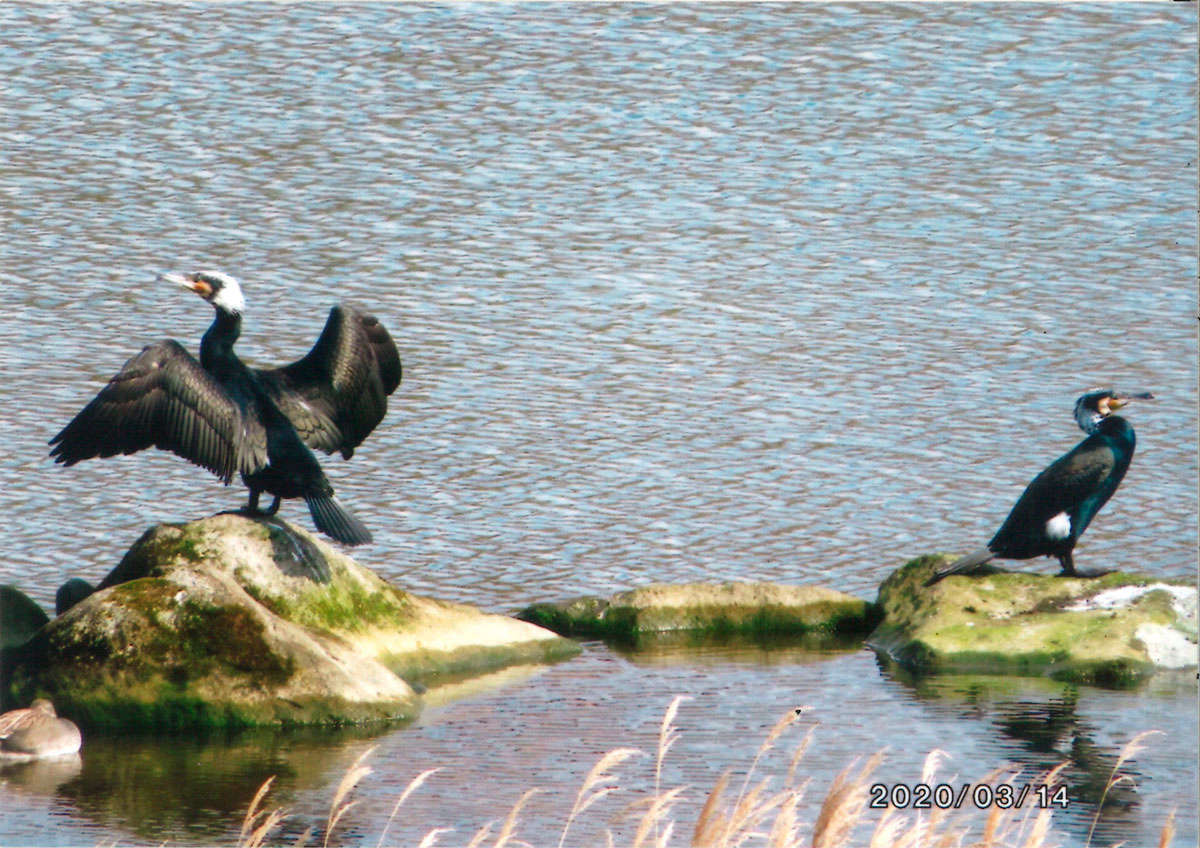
{"x": 230, "y": 297}
{"x": 1059, "y": 527}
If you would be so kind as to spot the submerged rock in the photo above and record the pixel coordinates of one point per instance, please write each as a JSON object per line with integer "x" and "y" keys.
{"x": 20, "y": 617}
{"x": 758, "y": 609}
{"x": 233, "y": 621}
{"x": 1112, "y": 630}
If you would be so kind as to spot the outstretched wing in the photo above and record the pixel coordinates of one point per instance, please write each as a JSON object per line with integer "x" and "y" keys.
{"x": 163, "y": 398}
{"x": 337, "y": 394}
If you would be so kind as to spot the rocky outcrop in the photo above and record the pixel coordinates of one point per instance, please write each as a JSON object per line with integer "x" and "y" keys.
{"x": 755, "y": 609}
{"x": 232, "y": 621}
{"x": 1112, "y": 630}
{"x": 20, "y": 617}
{"x": 71, "y": 593}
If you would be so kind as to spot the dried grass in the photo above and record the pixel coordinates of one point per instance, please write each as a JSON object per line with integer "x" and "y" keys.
{"x": 597, "y": 784}
{"x": 667, "y": 734}
{"x": 1168, "y": 832}
{"x": 413, "y": 785}
{"x": 843, "y": 805}
{"x": 510, "y": 823}
{"x": 340, "y": 805}
{"x": 657, "y": 812}
{"x": 258, "y": 823}
{"x": 758, "y": 815}
{"x": 1130, "y": 750}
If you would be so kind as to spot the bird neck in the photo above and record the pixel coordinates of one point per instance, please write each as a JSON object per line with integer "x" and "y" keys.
{"x": 1117, "y": 429}
{"x": 218, "y": 341}
{"x": 1089, "y": 420}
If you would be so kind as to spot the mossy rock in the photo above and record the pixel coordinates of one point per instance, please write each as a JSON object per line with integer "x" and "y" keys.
{"x": 1112, "y": 630}
{"x": 233, "y": 622}
{"x": 713, "y": 609}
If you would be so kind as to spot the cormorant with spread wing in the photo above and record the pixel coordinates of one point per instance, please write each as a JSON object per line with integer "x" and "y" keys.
{"x": 1059, "y": 503}
{"x": 229, "y": 418}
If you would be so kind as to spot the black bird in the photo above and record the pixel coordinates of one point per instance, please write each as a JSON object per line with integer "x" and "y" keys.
{"x": 1059, "y": 503}
{"x": 227, "y": 417}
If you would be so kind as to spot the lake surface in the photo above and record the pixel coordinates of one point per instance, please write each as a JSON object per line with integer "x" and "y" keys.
{"x": 786, "y": 292}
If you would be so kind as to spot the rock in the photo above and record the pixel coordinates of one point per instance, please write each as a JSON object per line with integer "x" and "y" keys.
{"x": 20, "y": 617}
{"x": 1112, "y": 630}
{"x": 715, "y": 608}
{"x": 232, "y": 621}
{"x": 71, "y": 593}
{"x": 37, "y": 732}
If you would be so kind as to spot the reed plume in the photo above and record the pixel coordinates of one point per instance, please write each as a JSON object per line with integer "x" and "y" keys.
{"x": 350, "y": 779}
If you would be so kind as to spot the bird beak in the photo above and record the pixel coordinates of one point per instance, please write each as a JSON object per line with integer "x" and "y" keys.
{"x": 1119, "y": 401}
{"x": 200, "y": 288}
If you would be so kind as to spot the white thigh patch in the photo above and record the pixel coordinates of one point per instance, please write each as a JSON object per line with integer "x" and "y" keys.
{"x": 1059, "y": 527}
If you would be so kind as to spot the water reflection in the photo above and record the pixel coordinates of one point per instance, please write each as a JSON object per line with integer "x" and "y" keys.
{"x": 1044, "y": 727}
{"x": 40, "y": 777}
{"x": 699, "y": 649}
{"x": 199, "y": 788}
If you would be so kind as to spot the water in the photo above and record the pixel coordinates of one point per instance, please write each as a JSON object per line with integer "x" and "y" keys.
{"x": 779, "y": 292}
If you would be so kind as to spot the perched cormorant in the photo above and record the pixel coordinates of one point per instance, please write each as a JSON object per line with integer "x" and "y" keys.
{"x": 1059, "y": 503}
{"x": 227, "y": 417}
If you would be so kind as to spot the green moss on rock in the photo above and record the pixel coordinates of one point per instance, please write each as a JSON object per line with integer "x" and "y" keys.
{"x": 1079, "y": 630}
{"x": 578, "y": 617}
{"x": 232, "y": 622}
{"x": 343, "y": 606}
{"x": 710, "y": 609}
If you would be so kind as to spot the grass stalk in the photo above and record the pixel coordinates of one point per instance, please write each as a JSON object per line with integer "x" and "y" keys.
{"x": 340, "y": 805}
{"x": 1130, "y": 750}
{"x": 510, "y": 823}
{"x": 258, "y": 823}
{"x": 413, "y": 785}
{"x": 1168, "y": 832}
{"x": 596, "y": 785}
{"x": 667, "y": 734}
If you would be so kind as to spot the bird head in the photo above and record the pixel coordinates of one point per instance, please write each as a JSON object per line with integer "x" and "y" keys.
{"x": 219, "y": 289}
{"x": 1098, "y": 404}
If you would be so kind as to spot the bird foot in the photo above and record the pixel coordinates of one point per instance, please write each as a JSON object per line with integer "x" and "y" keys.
{"x": 256, "y": 514}
{"x": 244, "y": 510}
{"x": 252, "y": 508}
{"x": 1086, "y": 575}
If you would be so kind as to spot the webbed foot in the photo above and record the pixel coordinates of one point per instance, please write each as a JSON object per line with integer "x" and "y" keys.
{"x": 252, "y": 508}
{"x": 1086, "y": 575}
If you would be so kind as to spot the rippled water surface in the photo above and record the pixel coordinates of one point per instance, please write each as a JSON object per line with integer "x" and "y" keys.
{"x": 766, "y": 292}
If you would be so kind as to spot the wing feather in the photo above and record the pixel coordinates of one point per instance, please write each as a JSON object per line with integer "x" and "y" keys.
{"x": 163, "y": 398}
{"x": 337, "y": 394}
{"x": 1075, "y": 476}
{"x": 1065, "y": 485}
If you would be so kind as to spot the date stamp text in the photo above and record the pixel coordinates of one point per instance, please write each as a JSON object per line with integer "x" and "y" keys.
{"x": 943, "y": 796}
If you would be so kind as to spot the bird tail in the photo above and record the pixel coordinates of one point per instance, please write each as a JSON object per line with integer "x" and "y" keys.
{"x": 962, "y": 566}
{"x": 335, "y": 522}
